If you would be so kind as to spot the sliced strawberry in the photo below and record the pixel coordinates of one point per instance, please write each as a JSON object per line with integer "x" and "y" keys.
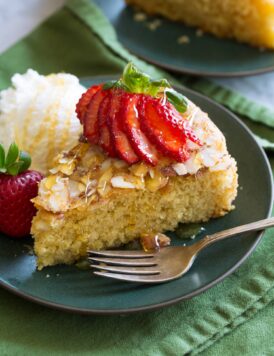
{"x": 175, "y": 120}
{"x": 90, "y": 120}
{"x": 105, "y": 139}
{"x": 155, "y": 128}
{"x": 122, "y": 144}
{"x": 141, "y": 145}
{"x": 82, "y": 105}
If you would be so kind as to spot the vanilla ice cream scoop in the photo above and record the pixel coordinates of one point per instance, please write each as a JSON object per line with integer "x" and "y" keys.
{"x": 38, "y": 113}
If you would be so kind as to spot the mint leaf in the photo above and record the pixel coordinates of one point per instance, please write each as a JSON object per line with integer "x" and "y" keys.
{"x": 12, "y": 154}
{"x": 109, "y": 85}
{"x": 2, "y": 157}
{"x": 118, "y": 84}
{"x": 156, "y": 86}
{"x": 176, "y": 99}
{"x": 134, "y": 79}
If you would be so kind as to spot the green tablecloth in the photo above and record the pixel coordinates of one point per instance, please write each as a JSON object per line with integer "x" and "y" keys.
{"x": 236, "y": 317}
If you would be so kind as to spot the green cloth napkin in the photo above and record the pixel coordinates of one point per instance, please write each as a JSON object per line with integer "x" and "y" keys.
{"x": 236, "y": 317}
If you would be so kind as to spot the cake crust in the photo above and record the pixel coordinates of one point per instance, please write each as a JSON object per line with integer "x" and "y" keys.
{"x": 65, "y": 237}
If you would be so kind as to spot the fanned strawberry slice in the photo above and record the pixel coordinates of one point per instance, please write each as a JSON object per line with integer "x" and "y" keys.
{"x": 155, "y": 128}
{"x": 122, "y": 144}
{"x": 82, "y": 105}
{"x": 138, "y": 140}
{"x": 175, "y": 120}
{"x": 90, "y": 119}
{"x": 105, "y": 139}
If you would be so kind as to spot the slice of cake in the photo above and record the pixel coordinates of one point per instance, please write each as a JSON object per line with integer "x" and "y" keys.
{"x": 148, "y": 160}
{"x": 250, "y": 21}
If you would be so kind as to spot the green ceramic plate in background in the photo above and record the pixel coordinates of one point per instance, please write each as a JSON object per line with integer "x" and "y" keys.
{"x": 206, "y": 55}
{"x": 67, "y": 288}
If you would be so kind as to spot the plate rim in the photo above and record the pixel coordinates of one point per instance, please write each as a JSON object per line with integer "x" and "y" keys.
{"x": 89, "y": 311}
{"x": 178, "y": 70}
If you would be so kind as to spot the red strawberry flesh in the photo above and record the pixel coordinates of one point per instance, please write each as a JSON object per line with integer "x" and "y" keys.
{"x": 141, "y": 145}
{"x": 90, "y": 119}
{"x": 105, "y": 139}
{"x": 16, "y": 209}
{"x": 175, "y": 120}
{"x": 83, "y": 103}
{"x": 154, "y": 126}
{"x": 134, "y": 127}
{"x": 121, "y": 142}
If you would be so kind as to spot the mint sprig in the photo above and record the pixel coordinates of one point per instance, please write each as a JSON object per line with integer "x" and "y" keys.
{"x": 15, "y": 161}
{"x": 135, "y": 81}
{"x": 176, "y": 99}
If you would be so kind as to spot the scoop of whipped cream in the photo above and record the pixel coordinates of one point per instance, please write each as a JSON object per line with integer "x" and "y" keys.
{"x": 38, "y": 113}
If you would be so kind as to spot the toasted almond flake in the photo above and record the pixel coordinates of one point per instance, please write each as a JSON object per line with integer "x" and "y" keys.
{"x": 157, "y": 182}
{"x": 139, "y": 169}
{"x": 54, "y": 170}
{"x": 151, "y": 173}
{"x": 119, "y": 163}
{"x": 180, "y": 169}
{"x": 76, "y": 188}
{"x": 222, "y": 164}
{"x": 106, "y": 164}
{"x": 119, "y": 182}
{"x": 208, "y": 157}
{"x": 193, "y": 164}
{"x": 192, "y": 145}
{"x": 105, "y": 177}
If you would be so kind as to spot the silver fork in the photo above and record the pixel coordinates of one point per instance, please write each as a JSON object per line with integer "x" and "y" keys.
{"x": 164, "y": 265}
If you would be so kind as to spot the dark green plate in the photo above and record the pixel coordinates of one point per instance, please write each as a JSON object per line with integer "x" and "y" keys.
{"x": 67, "y": 288}
{"x": 206, "y": 55}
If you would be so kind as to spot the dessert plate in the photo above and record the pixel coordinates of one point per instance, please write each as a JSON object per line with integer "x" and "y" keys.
{"x": 205, "y": 55}
{"x": 68, "y": 288}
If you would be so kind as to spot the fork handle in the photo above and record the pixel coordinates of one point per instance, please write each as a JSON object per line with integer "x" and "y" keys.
{"x": 210, "y": 239}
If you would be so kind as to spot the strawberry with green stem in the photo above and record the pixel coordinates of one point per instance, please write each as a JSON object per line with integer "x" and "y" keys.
{"x": 18, "y": 186}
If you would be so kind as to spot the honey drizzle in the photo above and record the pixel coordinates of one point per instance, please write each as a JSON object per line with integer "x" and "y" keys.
{"x": 27, "y": 123}
{"x": 66, "y": 129}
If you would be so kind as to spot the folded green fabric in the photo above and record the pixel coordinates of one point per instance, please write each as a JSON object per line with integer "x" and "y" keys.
{"x": 78, "y": 39}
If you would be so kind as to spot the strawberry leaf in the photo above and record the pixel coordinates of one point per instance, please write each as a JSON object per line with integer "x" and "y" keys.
{"x": 25, "y": 159}
{"x": 2, "y": 157}
{"x": 14, "y": 168}
{"x": 15, "y": 162}
{"x": 12, "y": 154}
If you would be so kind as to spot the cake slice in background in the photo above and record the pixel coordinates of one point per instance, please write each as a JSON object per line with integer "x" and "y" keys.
{"x": 150, "y": 159}
{"x": 38, "y": 113}
{"x": 250, "y": 21}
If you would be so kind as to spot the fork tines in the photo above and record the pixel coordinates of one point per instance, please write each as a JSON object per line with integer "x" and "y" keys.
{"x": 124, "y": 265}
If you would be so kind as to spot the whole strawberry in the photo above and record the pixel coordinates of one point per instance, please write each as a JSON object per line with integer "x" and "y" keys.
{"x": 18, "y": 186}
